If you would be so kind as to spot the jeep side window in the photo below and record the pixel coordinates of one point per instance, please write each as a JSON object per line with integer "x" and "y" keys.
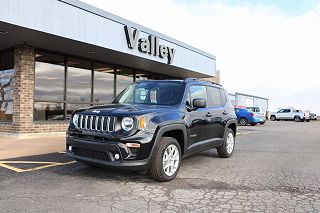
{"x": 223, "y": 96}
{"x": 197, "y": 91}
{"x": 214, "y": 97}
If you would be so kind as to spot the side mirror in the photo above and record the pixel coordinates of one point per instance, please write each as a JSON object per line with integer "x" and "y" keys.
{"x": 199, "y": 103}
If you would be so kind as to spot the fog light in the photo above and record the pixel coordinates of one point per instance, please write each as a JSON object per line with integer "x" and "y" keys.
{"x": 133, "y": 145}
{"x": 117, "y": 156}
{"x": 70, "y": 148}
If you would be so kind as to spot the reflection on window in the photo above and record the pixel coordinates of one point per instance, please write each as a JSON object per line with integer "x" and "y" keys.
{"x": 103, "y": 83}
{"x": 198, "y": 92}
{"x": 6, "y": 85}
{"x": 44, "y": 111}
{"x": 79, "y": 81}
{"x": 152, "y": 92}
{"x": 214, "y": 97}
{"x": 124, "y": 78}
{"x": 142, "y": 75}
{"x": 72, "y": 107}
{"x": 6, "y": 110}
{"x": 6, "y": 75}
{"x": 49, "y": 77}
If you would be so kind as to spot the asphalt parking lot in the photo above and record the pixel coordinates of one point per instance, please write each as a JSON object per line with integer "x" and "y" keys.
{"x": 275, "y": 168}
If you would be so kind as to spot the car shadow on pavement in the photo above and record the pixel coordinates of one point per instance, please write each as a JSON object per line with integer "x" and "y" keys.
{"x": 67, "y": 167}
{"x": 79, "y": 169}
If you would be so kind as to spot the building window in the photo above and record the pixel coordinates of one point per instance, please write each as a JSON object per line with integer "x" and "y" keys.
{"x": 6, "y": 85}
{"x": 71, "y": 107}
{"x": 49, "y": 87}
{"x": 124, "y": 78}
{"x": 142, "y": 75}
{"x": 64, "y": 84}
{"x": 45, "y": 111}
{"x": 103, "y": 83}
{"x": 79, "y": 81}
{"x": 49, "y": 77}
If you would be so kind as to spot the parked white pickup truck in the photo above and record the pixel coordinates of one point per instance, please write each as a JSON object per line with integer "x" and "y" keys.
{"x": 290, "y": 114}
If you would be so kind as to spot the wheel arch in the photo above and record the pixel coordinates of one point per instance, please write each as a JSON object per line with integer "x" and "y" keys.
{"x": 232, "y": 124}
{"x": 176, "y": 131}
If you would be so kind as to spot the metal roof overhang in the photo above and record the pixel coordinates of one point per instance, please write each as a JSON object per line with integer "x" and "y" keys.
{"x": 19, "y": 35}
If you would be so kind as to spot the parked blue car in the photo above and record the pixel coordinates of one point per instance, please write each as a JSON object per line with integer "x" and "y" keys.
{"x": 246, "y": 116}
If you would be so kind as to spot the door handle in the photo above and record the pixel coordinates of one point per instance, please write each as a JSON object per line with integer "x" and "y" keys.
{"x": 225, "y": 113}
{"x": 209, "y": 114}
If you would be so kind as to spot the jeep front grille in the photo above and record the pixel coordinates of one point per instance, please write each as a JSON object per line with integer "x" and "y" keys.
{"x": 98, "y": 123}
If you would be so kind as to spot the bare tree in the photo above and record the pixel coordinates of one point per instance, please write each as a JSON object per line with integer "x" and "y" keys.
{"x": 3, "y": 90}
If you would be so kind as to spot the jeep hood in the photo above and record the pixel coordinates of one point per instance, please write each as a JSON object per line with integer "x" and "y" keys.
{"x": 124, "y": 109}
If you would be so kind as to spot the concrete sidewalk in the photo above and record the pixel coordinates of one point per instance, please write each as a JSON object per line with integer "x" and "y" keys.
{"x": 12, "y": 147}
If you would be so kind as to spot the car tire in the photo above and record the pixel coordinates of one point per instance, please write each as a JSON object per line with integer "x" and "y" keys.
{"x": 227, "y": 148}
{"x": 261, "y": 123}
{"x": 243, "y": 121}
{"x": 158, "y": 170}
{"x": 273, "y": 118}
{"x": 307, "y": 120}
{"x": 297, "y": 119}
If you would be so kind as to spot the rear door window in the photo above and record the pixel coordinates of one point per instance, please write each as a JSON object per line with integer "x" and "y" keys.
{"x": 214, "y": 97}
{"x": 223, "y": 97}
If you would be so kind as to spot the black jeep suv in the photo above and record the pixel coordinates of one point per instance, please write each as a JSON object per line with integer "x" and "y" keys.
{"x": 152, "y": 125}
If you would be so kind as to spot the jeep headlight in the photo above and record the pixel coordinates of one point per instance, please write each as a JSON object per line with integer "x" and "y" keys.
{"x": 75, "y": 119}
{"x": 127, "y": 123}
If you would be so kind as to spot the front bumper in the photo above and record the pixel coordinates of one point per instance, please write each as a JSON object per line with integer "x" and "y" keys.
{"x": 104, "y": 154}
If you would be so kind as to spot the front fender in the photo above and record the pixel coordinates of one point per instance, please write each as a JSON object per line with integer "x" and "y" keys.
{"x": 161, "y": 130}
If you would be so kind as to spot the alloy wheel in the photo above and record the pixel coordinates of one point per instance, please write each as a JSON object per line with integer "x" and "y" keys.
{"x": 243, "y": 121}
{"x": 230, "y": 143}
{"x": 170, "y": 160}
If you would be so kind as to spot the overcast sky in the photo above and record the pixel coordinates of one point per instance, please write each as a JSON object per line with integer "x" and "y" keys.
{"x": 266, "y": 48}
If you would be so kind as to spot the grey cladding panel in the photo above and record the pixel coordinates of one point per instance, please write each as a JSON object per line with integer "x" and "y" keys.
{"x": 89, "y": 25}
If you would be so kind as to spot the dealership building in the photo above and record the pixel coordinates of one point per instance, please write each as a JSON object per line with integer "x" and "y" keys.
{"x": 245, "y": 100}
{"x": 60, "y": 55}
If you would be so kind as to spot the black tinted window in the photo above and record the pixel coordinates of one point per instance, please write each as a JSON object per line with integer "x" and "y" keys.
{"x": 223, "y": 96}
{"x": 214, "y": 97}
{"x": 152, "y": 92}
{"x": 197, "y": 91}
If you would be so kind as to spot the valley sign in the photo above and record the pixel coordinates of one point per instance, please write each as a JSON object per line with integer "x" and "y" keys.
{"x": 148, "y": 45}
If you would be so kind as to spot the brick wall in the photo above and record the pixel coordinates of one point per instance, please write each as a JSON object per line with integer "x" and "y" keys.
{"x": 23, "y": 93}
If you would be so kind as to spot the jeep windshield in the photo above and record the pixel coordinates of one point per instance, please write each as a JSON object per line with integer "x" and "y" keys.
{"x": 153, "y": 93}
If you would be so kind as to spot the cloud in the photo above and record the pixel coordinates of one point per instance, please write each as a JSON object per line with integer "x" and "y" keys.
{"x": 260, "y": 50}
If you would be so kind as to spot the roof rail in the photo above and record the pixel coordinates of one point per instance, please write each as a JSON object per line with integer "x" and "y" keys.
{"x": 190, "y": 79}
{"x": 196, "y": 79}
{"x": 215, "y": 83}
